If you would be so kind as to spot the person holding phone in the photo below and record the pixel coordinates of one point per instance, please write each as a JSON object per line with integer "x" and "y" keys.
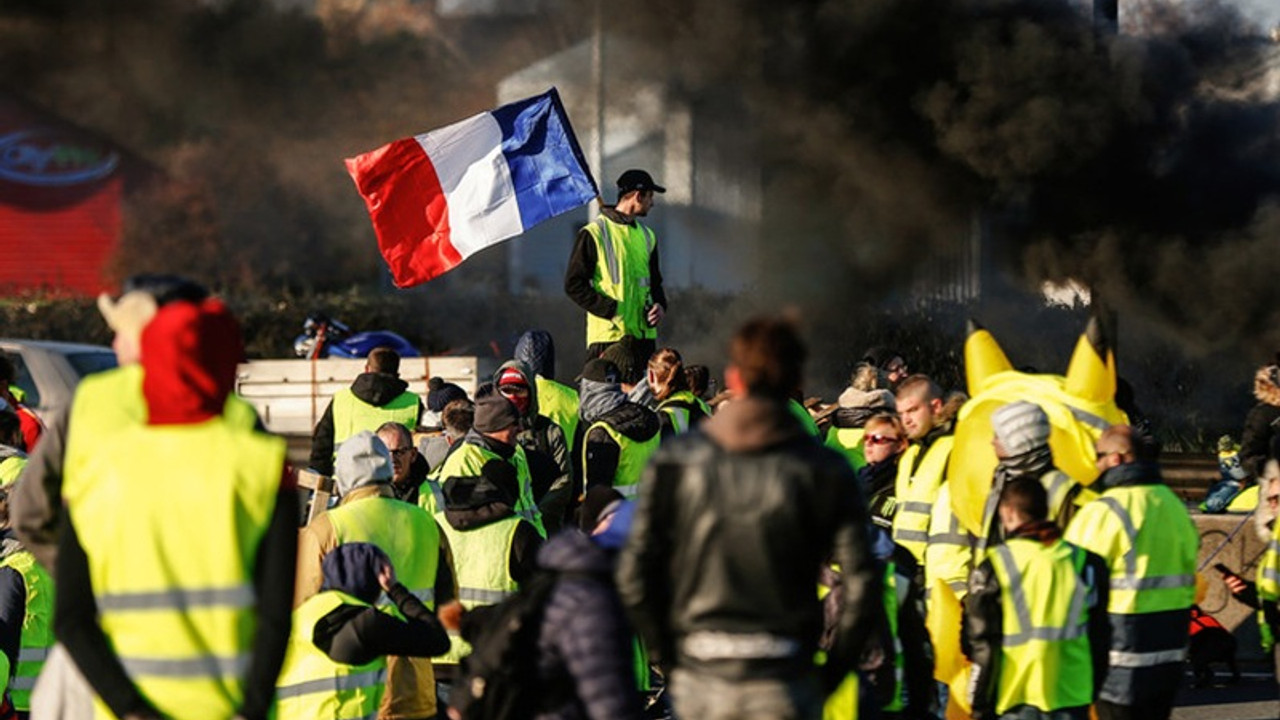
{"x": 1264, "y": 595}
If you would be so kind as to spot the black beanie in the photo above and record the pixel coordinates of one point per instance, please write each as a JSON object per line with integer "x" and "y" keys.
{"x": 494, "y": 413}
{"x": 441, "y": 393}
{"x": 353, "y": 568}
{"x": 625, "y": 354}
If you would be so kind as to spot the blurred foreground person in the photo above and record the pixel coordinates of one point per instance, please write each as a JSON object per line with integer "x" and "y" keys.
{"x": 733, "y": 523}
{"x": 1143, "y": 532}
{"x": 1035, "y": 622}
{"x": 183, "y": 610}
{"x": 337, "y": 660}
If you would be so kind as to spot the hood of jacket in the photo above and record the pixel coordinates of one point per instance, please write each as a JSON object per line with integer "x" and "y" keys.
{"x": 378, "y": 388}
{"x": 1128, "y": 474}
{"x": 537, "y": 351}
{"x": 634, "y": 421}
{"x": 529, "y": 380}
{"x": 572, "y": 551}
{"x": 752, "y": 423}
{"x": 9, "y": 544}
{"x": 1266, "y": 385}
{"x": 597, "y": 399}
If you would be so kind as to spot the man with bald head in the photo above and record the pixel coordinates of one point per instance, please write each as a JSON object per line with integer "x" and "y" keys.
{"x": 1143, "y": 532}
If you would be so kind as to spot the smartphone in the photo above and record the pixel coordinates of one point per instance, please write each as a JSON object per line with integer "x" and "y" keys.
{"x": 1223, "y": 569}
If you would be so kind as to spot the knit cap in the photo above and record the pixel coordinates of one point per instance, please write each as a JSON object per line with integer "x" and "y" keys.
{"x": 494, "y": 413}
{"x": 353, "y": 568}
{"x": 363, "y": 459}
{"x": 1020, "y": 427}
{"x": 441, "y": 393}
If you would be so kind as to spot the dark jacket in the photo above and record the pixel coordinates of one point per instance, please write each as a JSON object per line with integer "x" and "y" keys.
{"x": 602, "y": 454}
{"x": 377, "y": 389}
{"x": 13, "y": 601}
{"x": 473, "y": 502}
{"x": 983, "y": 621}
{"x": 733, "y": 522}
{"x": 356, "y": 635}
{"x": 1262, "y": 424}
{"x": 585, "y": 639}
{"x": 582, "y": 268}
{"x": 877, "y": 483}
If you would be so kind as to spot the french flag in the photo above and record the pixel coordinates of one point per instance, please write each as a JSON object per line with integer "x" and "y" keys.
{"x": 438, "y": 198}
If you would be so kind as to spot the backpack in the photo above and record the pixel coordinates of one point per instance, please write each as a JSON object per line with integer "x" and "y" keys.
{"x": 501, "y": 673}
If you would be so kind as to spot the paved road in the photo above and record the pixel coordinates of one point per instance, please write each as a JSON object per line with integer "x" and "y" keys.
{"x": 1254, "y": 698}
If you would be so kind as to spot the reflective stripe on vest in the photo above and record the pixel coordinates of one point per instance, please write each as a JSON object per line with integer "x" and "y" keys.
{"x": 1045, "y": 659}
{"x": 171, "y": 582}
{"x": 312, "y": 685}
{"x": 621, "y": 274}
{"x": 351, "y": 414}
{"x": 37, "y": 626}
{"x": 949, "y": 553}
{"x": 482, "y": 561}
{"x": 406, "y": 533}
{"x": 916, "y": 487}
{"x": 633, "y": 455}
{"x": 1129, "y": 589}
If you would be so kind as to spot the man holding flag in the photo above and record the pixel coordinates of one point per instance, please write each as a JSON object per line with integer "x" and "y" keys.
{"x": 613, "y": 272}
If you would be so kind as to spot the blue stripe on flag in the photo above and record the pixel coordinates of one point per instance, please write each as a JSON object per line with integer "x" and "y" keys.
{"x": 548, "y": 171}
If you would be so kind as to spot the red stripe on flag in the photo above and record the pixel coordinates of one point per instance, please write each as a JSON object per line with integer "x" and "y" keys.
{"x": 409, "y": 211}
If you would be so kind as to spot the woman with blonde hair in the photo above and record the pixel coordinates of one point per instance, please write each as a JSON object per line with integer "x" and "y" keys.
{"x": 679, "y": 409}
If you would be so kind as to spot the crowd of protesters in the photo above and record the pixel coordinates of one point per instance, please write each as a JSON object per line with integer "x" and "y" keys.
{"x": 735, "y": 555}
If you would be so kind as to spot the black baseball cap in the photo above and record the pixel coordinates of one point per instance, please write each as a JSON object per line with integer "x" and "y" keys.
{"x": 635, "y": 179}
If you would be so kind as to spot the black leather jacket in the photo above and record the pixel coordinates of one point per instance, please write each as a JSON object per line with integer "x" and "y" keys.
{"x": 733, "y": 522}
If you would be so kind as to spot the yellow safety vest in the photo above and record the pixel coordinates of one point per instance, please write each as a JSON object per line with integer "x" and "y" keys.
{"x": 112, "y": 400}
{"x": 467, "y": 460}
{"x": 406, "y": 533}
{"x": 1268, "y": 588}
{"x": 677, "y": 407}
{"x": 10, "y": 468}
{"x": 810, "y": 425}
{"x": 915, "y": 488}
{"x": 1150, "y": 544}
{"x": 37, "y": 626}
{"x": 848, "y": 442}
{"x": 1044, "y": 652}
{"x": 948, "y": 556}
{"x": 312, "y": 685}
{"x": 633, "y": 455}
{"x": 621, "y": 274}
{"x": 482, "y": 558}
{"x": 173, "y": 583}
{"x": 352, "y": 415}
{"x": 559, "y": 404}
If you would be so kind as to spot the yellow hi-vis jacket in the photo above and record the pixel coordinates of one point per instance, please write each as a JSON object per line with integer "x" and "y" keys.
{"x": 1268, "y": 589}
{"x": 915, "y": 489}
{"x": 37, "y": 626}
{"x": 482, "y": 557}
{"x": 313, "y": 686}
{"x": 621, "y": 274}
{"x": 633, "y": 455}
{"x": 559, "y": 404}
{"x": 468, "y": 458}
{"x": 848, "y": 442}
{"x": 1044, "y": 649}
{"x": 948, "y": 556}
{"x": 1149, "y": 542}
{"x": 352, "y": 415}
{"x": 406, "y": 533}
{"x": 171, "y": 520}
{"x": 679, "y": 408}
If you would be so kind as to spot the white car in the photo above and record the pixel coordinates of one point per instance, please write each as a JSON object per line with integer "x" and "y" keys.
{"x": 49, "y": 371}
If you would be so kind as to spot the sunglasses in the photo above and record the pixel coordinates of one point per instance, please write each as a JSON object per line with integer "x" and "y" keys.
{"x": 881, "y": 439}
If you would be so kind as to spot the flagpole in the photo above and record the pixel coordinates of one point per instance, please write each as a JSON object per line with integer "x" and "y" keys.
{"x": 597, "y": 83}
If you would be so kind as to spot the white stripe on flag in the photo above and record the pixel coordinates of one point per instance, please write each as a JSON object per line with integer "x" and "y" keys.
{"x": 473, "y": 173}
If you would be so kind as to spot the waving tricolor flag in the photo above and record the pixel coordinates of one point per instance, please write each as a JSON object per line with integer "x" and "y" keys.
{"x": 435, "y": 199}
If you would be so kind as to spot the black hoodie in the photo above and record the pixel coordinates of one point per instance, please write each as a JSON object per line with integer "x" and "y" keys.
{"x": 377, "y": 389}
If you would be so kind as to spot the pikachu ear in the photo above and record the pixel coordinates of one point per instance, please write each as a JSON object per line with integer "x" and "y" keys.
{"x": 983, "y": 358}
{"x": 1091, "y": 375}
